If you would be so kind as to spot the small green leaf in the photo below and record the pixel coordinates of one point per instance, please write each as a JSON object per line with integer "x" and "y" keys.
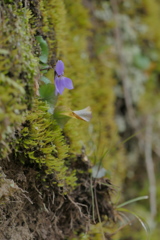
{"x": 47, "y": 93}
{"x": 44, "y": 49}
{"x": 45, "y": 80}
{"x": 44, "y": 67}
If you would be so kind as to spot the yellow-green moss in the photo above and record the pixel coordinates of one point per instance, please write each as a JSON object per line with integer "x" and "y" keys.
{"x": 54, "y": 24}
{"x": 18, "y": 68}
{"x": 43, "y": 143}
{"x": 151, "y": 19}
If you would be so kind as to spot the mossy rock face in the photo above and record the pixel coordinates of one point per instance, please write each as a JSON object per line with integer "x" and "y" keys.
{"x": 65, "y": 33}
{"x": 18, "y": 68}
{"x": 56, "y": 190}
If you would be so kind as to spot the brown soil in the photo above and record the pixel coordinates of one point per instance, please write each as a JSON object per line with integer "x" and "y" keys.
{"x": 31, "y": 209}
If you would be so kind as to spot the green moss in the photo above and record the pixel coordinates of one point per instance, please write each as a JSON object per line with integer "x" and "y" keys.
{"x": 43, "y": 143}
{"x": 152, "y": 20}
{"x": 18, "y": 67}
{"x": 54, "y": 25}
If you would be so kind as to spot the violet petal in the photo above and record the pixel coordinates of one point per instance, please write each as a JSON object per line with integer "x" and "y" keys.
{"x": 59, "y": 68}
{"x": 59, "y": 85}
{"x": 67, "y": 82}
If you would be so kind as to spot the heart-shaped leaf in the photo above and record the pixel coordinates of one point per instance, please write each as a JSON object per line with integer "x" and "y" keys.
{"x": 47, "y": 93}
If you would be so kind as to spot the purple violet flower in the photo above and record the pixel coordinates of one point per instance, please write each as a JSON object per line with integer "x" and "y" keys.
{"x": 59, "y": 68}
{"x": 60, "y": 81}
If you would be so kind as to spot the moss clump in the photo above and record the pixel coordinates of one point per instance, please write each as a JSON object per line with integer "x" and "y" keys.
{"x": 54, "y": 26}
{"x": 18, "y": 67}
{"x": 42, "y": 142}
